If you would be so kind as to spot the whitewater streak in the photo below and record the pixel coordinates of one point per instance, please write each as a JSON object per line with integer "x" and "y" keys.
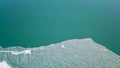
{"x": 18, "y": 52}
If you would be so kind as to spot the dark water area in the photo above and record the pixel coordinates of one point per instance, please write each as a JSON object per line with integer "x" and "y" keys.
{"x": 32, "y": 23}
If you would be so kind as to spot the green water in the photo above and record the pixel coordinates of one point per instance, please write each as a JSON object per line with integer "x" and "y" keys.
{"x": 32, "y": 23}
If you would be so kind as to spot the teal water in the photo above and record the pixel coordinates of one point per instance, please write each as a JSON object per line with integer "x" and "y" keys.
{"x": 41, "y": 22}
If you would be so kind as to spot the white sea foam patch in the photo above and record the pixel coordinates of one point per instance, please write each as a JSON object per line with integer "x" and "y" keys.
{"x": 4, "y": 64}
{"x": 18, "y": 52}
{"x": 62, "y": 46}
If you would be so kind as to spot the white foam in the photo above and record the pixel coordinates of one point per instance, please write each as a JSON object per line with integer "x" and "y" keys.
{"x": 62, "y": 46}
{"x": 21, "y": 52}
{"x": 4, "y": 64}
{"x": 18, "y": 52}
{"x": 104, "y": 49}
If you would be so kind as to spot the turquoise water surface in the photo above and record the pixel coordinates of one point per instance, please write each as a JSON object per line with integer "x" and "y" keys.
{"x": 32, "y": 23}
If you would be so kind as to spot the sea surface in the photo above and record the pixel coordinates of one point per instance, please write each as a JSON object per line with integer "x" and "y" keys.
{"x": 33, "y": 23}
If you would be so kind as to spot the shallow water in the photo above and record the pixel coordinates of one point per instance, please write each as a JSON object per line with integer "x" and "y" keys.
{"x": 75, "y": 53}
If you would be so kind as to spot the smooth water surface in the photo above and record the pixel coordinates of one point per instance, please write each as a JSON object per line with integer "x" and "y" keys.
{"x": 31, "y": 23}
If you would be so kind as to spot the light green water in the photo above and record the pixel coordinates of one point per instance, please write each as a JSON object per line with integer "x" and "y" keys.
{"x": 32, "y": 23}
